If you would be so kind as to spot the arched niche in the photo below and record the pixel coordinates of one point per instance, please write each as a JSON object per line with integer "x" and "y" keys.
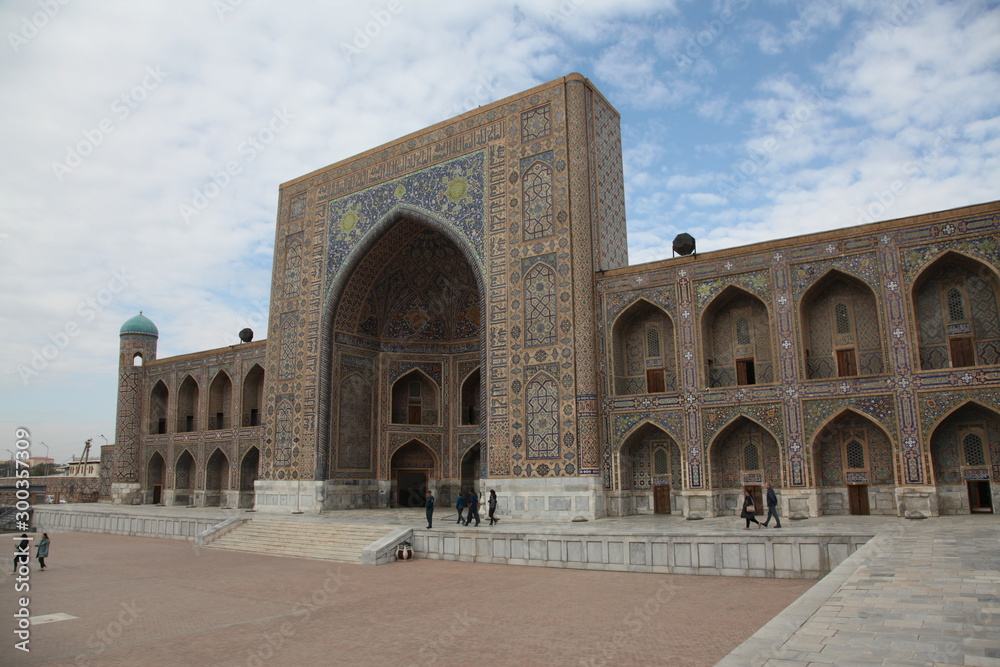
{"x": 841, "y": 328}
{"x": 736, "y": 338}
{"x": 643, "y": 351}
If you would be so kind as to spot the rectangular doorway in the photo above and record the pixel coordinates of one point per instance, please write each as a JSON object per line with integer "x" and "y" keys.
{"x": 847, "y": 363}
{"x": 411, "y": 487}
{"x": 654, "y": 381}
{"x": 413, "y": 414}
{"x": 857, "y": 499}
{"x": 157, "y": 494}
{"x": 661, "y": 499}
{"x": 980, "y": 496}
{"x": 745, "y": 373}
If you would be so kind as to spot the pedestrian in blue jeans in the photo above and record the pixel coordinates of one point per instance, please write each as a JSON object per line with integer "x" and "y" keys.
{"x": 460, "y": 505}
{"x": 473, "y": 502}
{"x": 772, "y": 507}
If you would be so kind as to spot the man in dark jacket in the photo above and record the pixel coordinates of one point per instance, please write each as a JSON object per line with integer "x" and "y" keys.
{"x": 429, "y": 504}
{"x": 473, "y": 503}
{"x": 772, "y": 507}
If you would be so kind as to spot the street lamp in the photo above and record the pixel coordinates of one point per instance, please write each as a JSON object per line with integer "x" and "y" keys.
{"x": 45, "y": 466}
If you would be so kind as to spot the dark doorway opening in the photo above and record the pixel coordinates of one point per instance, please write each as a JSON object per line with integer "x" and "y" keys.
{"x": 980, "y": 496}
{"x": 411, "y": 488}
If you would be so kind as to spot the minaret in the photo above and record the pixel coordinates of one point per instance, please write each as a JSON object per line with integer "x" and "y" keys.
{"x": 137, "y": 347}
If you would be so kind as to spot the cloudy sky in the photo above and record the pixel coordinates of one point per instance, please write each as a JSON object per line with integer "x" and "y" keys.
{"x": 743, "y": 120}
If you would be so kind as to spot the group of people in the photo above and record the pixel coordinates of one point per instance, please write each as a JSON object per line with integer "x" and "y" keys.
{"x": 749, "y": 511}
{"x": 22, "y": 554}
{"x": 468, "y": 501}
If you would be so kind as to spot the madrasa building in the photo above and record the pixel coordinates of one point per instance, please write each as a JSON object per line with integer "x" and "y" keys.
{"x": 455, "y": 309}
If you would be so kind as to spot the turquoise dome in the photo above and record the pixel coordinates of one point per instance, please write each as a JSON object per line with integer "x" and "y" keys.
{"x": 140, "y": 324}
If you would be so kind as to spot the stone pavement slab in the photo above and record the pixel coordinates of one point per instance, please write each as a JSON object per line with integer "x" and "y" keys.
{"x": 920, "y": 592}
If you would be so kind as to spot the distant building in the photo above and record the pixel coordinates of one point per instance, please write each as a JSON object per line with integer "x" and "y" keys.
{"x": 456, "y": 308}
{"x": 89, "y": 468}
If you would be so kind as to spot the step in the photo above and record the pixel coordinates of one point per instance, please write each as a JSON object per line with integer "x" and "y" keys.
{"x": 339, "y": 542}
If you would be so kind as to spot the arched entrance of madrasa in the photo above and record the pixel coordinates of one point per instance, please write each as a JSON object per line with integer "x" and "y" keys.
{"x": 405, "y": 365}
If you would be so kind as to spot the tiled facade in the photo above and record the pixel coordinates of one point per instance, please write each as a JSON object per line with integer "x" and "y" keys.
{"x": 455, "y": 307}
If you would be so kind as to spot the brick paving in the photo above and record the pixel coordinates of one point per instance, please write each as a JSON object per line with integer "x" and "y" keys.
{"x": 148, "y": 601}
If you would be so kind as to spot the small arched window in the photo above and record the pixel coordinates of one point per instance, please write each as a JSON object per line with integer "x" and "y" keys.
{"x": 956, "y": 305}
{"x": 137, "y": 359}
{"x": 972, "y": 447}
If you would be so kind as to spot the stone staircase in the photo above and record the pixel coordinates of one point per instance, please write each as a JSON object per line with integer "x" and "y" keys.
{"x": 315, "y": 539}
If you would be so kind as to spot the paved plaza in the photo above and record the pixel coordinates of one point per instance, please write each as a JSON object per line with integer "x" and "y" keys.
{"x": 148, "y": 601}
{"x": 919, "y": 593}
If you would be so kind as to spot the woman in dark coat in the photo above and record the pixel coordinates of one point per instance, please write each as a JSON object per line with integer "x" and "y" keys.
{"x": 492, "y": 504}
{"x": 746, "y": 512}
{"x": 43, "y": 550}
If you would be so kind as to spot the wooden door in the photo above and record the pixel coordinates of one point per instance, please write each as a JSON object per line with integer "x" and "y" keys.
{"x": 661, "y": 499}
{"x": 847, "y": 363}
{"x": 962, "y": 353}
{"x": 157, "y": 493}
{"x": 857, "y": 498}
{"x": 756, "y": 492}
{"x": 980, "y": 496}
{"x": 413, "y": 414}
{"x": 654, "y": 381}
{"x": 745, "y": 372}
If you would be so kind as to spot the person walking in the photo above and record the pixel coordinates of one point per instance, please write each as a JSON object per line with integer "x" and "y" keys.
{"x": 748, "y": 509}
{"x": 473, "y": 502}
{"x": 772, "y": 507}
{"x": 43, "y": 550}
{"x": 23, "y": 552}
{"x": 460, "y": 505}
{"x": 492, "y": 504}
{"x": 429, "y": 504}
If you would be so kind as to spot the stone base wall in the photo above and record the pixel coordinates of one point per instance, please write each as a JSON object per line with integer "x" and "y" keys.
{"x": 62, "y": 520}
{"x": 881, "y": 501}
{"x": 785, "y": 556}
{"x": 283, "y": 497}
{"x": 549, "y": 499}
